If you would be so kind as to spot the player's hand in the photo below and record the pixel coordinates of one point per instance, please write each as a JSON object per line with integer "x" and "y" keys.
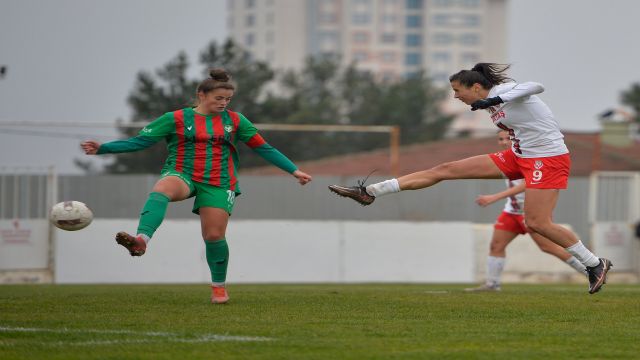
{"x": 485, "y": 103}
{"x": 303, "y": 178}
{"x": 90, "y": 147}
{"x": 485, "y": 200}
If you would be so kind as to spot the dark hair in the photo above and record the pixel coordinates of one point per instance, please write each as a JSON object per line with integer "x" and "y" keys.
{"x": 485, "y": 74}
{"x": 218, "y": 79}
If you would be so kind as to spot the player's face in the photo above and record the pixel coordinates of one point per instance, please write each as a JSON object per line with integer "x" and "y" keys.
{"x": 503, "y": 140}
{"x": 468, "y": 94}
{"x": 215, "y": 101}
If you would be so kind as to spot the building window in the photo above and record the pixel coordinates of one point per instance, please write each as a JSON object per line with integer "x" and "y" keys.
{"x": 360, "y": 37}
{"x": 249, "y": 39}
{"x": 444, "y": 3}
{"x": 470, "y": 20}
{"x": 442, "y": 38}
{"x": 469, "y": 39}
{"x": 414, "y": 21}
{"x": 250, "y": 20}
{"x": 388, "y": 19}
{"x": 328, "y": 18}
{"x": 470, "y": 3}
{"x": 442, "y": 19}
{"x": 414, "y": 4}
{"x": 440, "y": 77}
{"x": 388, "y": 38}
{"x": 360, "y": 56}
{"x": 469, "y": 58}
{"x": 361, "y": 18}
{"x": 413, "y": 40}
{"x": 441, "y": 57}
{"x": 250, "y": 3}
{"x": 413, "y": 59}
{"x": 388, "y": 57}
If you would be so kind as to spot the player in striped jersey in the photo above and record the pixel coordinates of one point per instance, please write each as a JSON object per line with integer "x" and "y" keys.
{"x": 509, "y": 224}
{"x": 538, "y": 154}
{"x": 202, "y": 163}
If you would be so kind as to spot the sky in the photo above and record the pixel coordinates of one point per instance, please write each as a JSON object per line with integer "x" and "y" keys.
{"x": 76, "y": 61}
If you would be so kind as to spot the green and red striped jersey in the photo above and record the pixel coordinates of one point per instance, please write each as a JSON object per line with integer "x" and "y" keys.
{"x": 203, "y": 147}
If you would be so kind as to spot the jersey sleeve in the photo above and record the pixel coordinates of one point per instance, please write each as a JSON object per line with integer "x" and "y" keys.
{"x": 149, "y": 135}
{"x": 520, "y": 91}
{"x": 160, "y": 127}
{"x": 248, "y": 134}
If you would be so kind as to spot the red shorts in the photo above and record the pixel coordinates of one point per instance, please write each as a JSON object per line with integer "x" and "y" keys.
{"x": 511, "y": 222}
{"x": 539, "y": 173}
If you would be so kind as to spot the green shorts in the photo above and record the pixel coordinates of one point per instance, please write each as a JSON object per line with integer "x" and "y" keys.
{"x": 206, "y": 195}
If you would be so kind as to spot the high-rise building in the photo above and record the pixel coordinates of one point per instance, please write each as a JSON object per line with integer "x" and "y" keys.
{"x": 392, "y": 38}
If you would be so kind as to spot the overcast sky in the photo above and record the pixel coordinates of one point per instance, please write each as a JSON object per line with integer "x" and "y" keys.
{"x": 76, "y": 60}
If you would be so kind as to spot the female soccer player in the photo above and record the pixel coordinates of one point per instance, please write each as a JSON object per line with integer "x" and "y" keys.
{"x": 202, "y": 163}
{"x": 509, "y": 224}
{"x": 538, "y": 154}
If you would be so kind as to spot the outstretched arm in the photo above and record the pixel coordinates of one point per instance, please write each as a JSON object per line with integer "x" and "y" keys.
{"x": 486, "y": 200}
{"x": 137, "y": 143}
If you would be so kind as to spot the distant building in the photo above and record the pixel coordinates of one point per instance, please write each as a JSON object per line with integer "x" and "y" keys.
{"x": 392, "y": 38}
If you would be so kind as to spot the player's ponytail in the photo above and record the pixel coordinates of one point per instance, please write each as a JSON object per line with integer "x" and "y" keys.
{"x": 485, "y": 74}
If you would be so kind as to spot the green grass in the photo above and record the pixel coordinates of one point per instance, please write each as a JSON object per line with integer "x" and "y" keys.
{"x": 318, "y": 322}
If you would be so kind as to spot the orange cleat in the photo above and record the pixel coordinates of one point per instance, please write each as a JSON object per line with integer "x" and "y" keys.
{"x": 135, "y": 244}
{"x": 219, "y": 295}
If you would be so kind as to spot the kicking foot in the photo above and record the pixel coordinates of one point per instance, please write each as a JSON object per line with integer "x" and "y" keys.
{"x": 135, "y": 244}
{"x": 598, "y": 275}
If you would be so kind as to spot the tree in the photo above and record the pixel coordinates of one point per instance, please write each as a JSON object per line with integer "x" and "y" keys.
{"x": 631, "y": 98}
{"x": 169, "y": 89}
{"x": 322, "y": 92}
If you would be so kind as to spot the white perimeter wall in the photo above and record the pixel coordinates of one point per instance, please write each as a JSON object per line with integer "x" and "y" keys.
{"x": 274, "y": 251}
{"x": 298, "y": 251}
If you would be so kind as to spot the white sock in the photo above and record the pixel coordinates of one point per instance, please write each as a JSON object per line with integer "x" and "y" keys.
{"x": 495, "y": 265}
{"x": 583, "y": 254}
{"x": 383, "y": 188}
{"x": 576, "y": 264}
{"x": 145, "y": 238}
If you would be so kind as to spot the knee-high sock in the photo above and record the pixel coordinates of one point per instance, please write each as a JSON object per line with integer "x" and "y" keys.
{"x": 586, "y": 257}
{"x": 576, "y": 264}
{"x": 495, "y": 265}
{"x": 153, "y": 213}
{"x": 217, "y": 259}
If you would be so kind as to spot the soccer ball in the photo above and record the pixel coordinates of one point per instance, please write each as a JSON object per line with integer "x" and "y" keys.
{"x": 70, "y": 215}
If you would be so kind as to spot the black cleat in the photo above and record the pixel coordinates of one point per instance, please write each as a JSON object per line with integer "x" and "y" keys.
{"x": 598, "y": 275}
{"x": 357, "y": 193}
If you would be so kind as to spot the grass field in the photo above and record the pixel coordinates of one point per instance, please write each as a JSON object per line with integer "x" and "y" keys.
{"x": 318, "y": 322}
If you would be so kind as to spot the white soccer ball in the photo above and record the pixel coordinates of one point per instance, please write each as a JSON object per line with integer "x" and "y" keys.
{"x": 70, "y": 215}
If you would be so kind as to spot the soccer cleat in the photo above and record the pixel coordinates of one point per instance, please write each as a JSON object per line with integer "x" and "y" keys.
{"x": 357, "y": 193}
{"x": 484, "y": 288}
{"x": 598, "y": 275}
{"x": 219, "y": 295}
{"x": 135, "y": 244}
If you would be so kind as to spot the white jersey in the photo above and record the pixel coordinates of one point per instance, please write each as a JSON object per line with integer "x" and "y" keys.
{"x": 515, "y": 203}
{"x": 533, "y": 130}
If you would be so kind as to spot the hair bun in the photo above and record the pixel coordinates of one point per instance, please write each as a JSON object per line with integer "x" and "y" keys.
{"x": 219, "y": 75}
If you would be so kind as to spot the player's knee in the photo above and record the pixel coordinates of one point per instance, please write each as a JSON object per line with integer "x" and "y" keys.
{"x": 444, "y": 170}
{"x": 213, "y": 234}
{"x": 537, "y": 225}
{"x": 497, "y": 246}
